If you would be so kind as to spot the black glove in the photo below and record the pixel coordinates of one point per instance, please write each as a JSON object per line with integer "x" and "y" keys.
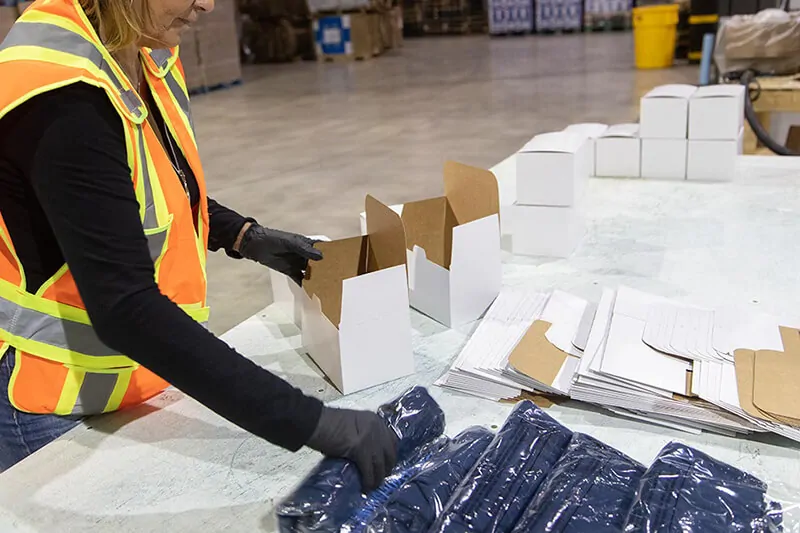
{"x": 361, "y": 437}
{"x": 287, "y": 253}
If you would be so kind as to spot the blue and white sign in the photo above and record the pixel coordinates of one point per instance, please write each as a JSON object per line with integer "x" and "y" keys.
{"x": 559, "y": 14}
{"x": 332, "y": 35}
{"x": 507, "y": 16}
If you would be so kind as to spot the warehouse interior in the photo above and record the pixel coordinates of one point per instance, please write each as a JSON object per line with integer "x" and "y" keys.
{"x": 399, "y": 266}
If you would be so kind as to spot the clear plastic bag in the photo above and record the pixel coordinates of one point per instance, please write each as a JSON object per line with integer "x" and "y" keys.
{"x": 687, "y": 490}
{"x": 420, "y": 492}
{"x": 768, "y": 42}
{"x": 499, "y": 487}
{"x": 590, "y": 489}
{"x": 331, "y": 494}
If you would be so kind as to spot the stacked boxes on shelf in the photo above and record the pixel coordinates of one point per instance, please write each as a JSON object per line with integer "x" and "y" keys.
{"x": 607, "y": 14}
{"x": 510, "y": 16}
{"x": 559, "y": 15}
{"x": 355, "y": 29}
{"x": 210, "y": 50}
{"x": 664, "y": 126}
{"x": 716, "y": 132}
{"x": 552, "y": 172}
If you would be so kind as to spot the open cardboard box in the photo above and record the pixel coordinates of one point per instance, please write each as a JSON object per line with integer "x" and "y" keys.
{"x": 767, "y": 381}
{"x": 353, "y": 306}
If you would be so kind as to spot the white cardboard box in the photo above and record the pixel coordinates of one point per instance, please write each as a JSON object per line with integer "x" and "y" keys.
{"x": 713, "y": 160}
{"x": 591, "y": 130}
{"x": 664, "y": 159}
{"x": 618, "y": 152}
{"x": 453, "y": 246}
{"x": 354, "y": 306}
{"x": 546, "y": 230}
{"x": 552, "y": 169}
{"x": 716, "y": 113}
{"x": 664, "y": 112}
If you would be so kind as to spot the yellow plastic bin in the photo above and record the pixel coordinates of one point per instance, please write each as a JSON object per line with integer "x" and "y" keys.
{"x": 654, "y": 33}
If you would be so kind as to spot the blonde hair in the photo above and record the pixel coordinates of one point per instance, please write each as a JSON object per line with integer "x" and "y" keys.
{"x": 119, "y": 23}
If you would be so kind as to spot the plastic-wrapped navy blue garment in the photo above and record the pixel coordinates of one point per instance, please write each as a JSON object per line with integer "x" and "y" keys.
{"x": 589, "y": 490}
{"x": 501, "y": 484}
{"x": 686, "y": 490}
{"x": 331, "y": 494}
{"x": 426, "y": 487}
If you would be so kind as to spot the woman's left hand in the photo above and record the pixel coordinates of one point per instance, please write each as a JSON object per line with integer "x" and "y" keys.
{"x": 287, "y": 253}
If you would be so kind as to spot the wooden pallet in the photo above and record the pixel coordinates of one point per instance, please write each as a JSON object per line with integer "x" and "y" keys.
{"x": 560, "y": 31}
{"x": 778, "y": 94}
{"x": 342, "y": 58}
{"x": 511, "y": 34}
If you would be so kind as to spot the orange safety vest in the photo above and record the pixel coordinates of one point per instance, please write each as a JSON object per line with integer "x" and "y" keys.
{"x": 61, "y": 365}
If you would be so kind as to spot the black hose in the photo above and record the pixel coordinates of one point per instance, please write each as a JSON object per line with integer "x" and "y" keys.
{"x": 750, "y": 114}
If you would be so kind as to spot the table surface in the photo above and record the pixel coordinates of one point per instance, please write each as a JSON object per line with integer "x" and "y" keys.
{"x": 172, "y": 465}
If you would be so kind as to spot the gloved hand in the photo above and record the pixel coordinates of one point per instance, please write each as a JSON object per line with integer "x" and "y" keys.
{"x": 287, "y": 253}
{"x": 361, "y": 437}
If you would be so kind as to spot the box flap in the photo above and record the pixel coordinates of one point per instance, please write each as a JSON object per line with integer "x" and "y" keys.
{"x": 676, "y": 90}
{"x": 471, "y": 192}
{"x": 719, "y": 91}
{"x": 592, "y": 130}
{"x": 776, "y": 387}
{"x": 344, "y": 259}
{"x": 428, "y": 224}
{"x": 386, "y": 236}
{"x": 622, "y": 130}
{"x": 536, "y": 357}
{"x": 564, "y": 142}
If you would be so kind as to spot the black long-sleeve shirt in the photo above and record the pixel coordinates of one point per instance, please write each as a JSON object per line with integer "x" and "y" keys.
{"x": 66, "y": 195}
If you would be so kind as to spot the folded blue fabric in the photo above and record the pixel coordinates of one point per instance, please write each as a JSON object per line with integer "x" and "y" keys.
{"x": 589, "y": 490}
{"x": 502, "y": 483}
{"x": 420, "y": 492}
{"x": 331, "y": 494}
{"x": 686, "y": 490}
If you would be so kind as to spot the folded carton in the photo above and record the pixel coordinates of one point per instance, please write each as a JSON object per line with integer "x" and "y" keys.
{"x": 767, "y": 381}
{"x": 664, "y": 159}
{"x": 454, "y": 267}
{"x": 591, "y": 131}
{"x": 618, "y": 152}
{"x": 547, "y": 230}
{"x": 665, "y": 112}
{"x": 552, "y": 169}
{"x": 713, "y": 160}
{"x": 716, "y": 112}
{"x": 353, "y": 306}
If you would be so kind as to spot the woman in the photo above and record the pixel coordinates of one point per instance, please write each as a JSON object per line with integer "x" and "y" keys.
{"x": 104, "y": 227}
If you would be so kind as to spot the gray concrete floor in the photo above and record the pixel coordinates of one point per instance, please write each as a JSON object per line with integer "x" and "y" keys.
{"x": 298, "y": 146}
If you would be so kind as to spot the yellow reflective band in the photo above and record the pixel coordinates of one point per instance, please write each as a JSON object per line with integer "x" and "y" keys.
{"x": 12, "y": 381}
{"x": 201, "y": 247}
{"x": 55, "y": 277}
{"x": 55, "y": 20}
{"x": 199, "y": 315}
{"x": 184, "y": 118}
{"x": 69, "y": 394}
{"x": 61, "y": 355}
{"x": 118, "y": 394}
{"x": 29, "y": 301}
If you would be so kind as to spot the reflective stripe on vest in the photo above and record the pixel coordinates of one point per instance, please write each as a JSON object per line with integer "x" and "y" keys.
{"x": 55, "y": 38}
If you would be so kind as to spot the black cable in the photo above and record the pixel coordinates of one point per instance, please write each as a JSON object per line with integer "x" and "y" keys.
{"x": 746, "y": 79}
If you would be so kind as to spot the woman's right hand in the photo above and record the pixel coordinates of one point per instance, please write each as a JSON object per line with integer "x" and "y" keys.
{"x": 361, "y": 437}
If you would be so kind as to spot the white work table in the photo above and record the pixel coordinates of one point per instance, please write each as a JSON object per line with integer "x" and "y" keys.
{"x": 172, "y": 465}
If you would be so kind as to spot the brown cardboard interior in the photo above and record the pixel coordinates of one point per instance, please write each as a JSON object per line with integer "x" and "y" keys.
{"x": 386, "y": 237}
{"x": 536, "y": 357}
{"x": 470, "y": 194}
{"x": 776, "y": 387}
{"x": 343, "y": 259}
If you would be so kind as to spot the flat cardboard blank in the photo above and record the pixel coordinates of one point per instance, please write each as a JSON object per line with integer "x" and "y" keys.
{"x": 776, "y": 387}
{"x": 536, "y": 357}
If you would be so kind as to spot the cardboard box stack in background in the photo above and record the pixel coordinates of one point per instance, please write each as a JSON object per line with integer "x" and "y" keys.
{"x": 510, "y": 16}
{"x": 348, "y": 36}
{"x": 353, "y": 308}
{"x": 552, "y": 173}
{"x": 716, "y": 132}
{"x": 210, "y": 50}
{"x": 664, "y": 126}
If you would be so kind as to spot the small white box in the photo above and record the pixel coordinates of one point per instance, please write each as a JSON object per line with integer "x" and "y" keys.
{"x": 353, "y": 306}
{"x": 546, "y": 230}
{"x": 716, "y": 113}
{"x": 664, "y": 159}
{"x": 552, "y": 169}
{"x": 664, "y": 112}
{"x": 618, "y": 152}
{"x": 713, "y": 160}
{"x": 591, "y": 131}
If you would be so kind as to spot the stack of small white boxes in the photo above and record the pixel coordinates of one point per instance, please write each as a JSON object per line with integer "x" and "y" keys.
{"x": 552, "y": 172}
{"x": 685, "y": 132}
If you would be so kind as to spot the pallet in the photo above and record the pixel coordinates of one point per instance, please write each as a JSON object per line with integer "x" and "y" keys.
{"x": 560, "y": 31}
{"x": 445, "y": 27}
{"x": 342, "y": 58}
{"x": 211, "y": 88}
{"x": 520, "y": 33}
